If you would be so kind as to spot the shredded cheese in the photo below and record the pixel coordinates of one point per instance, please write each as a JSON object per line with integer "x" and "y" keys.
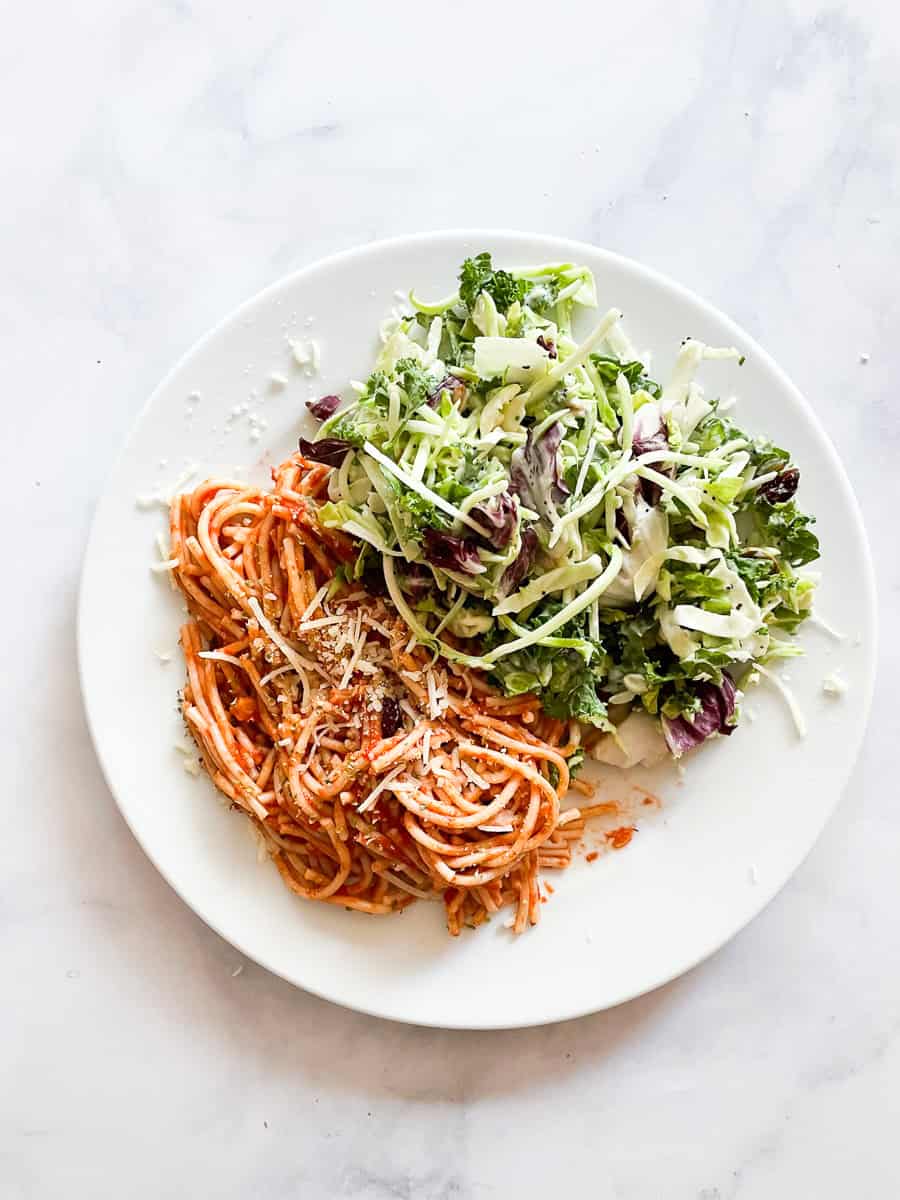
{"x": 319, "y": 623}
{"x": 315, "y": 602}
{"x": 300, "y": 664}
{"x": 834, "y": 684}
{"x": 354, "y": 658}
{"x": 188, "y": 759}
{"x": 472, "y": 775}
{"x": 221, "y": 656}
{"x": 379, "y": 788}
{"x": 426, "y": 747}
{"x": 274, "y": 674}
{"x": 788, "y": 697}
{"x": 821, "y": 623}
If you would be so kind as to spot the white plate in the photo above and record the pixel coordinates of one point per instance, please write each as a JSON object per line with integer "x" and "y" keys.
{"x": 728, "y": 836}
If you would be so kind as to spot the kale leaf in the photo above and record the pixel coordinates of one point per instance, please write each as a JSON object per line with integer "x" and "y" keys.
{"x": 541, "y": 297}
{"x": 784, "y": 526}
{"x": 609, "y": 368}
{"x": 478, "y": 275}
{"x": 572, "y": 692}
{"x": 415, "y": 381}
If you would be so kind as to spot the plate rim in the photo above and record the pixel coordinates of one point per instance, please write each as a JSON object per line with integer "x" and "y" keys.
{"x": 571, "y": 247}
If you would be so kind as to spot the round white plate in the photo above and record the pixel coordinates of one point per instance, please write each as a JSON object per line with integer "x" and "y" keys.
{"x": 728, "y": 835}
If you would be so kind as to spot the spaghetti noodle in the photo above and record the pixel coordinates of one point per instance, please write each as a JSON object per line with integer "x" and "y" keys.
{"x": 374, "y": 775}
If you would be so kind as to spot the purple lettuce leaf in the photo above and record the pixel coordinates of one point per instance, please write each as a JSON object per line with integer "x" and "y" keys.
{"x": 649, "y": 431}
{"x": 450, "y": 384}
{"x": 622, "y": 525}
{"x": 522, "y": 563}
{"x": 713, "y": 716}
{"x": 330, "y": 451}
{"x": 324, "y": 407}
{"x": 415, "y": 581}
{"x": 550, "y": 445}
{"x": 372, "y": 580}
{"x": 499, "y": 516}
{"x": 649, "y": 434}
{"x": 534, "y": 474}
{"x": 451, "y": 553}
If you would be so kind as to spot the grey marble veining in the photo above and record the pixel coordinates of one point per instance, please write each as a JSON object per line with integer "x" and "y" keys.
{"x": 162, "y": 162}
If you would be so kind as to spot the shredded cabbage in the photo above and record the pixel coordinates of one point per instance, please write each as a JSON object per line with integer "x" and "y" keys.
{"x": 570, "y": 525}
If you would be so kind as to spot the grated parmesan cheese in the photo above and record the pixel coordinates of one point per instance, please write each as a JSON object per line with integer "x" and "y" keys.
{"x": 306, "y": 354}
{"x": 319, "y": 623}
{"x": 188, "y": 759}
{"x": 433, "y": 710}
{"x": 377, "y": 626}
{"x": 300, "y": 664}
{"x": 274, "y": 674}
{"x": 788, "y": 697}
{"x": 821, "y": 623}
{"x": 378, "y": 789}
{"x": 482, "y": 784}
{"x": 315, "y": 602}
{"x": 426, "y": 747}
{"x": 221, "y": 656}
{"x": 834, "y": 685}
{"x": 151, "y": 500}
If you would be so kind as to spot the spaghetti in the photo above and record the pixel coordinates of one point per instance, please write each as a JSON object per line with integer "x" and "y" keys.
{"x": 374, "y": 775}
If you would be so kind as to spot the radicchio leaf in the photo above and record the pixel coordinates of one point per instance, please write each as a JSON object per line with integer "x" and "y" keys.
{"x": 330, "y": 451}
{"x": 547, "y": 344}
{"x": 522, "y": 563}
{"x": 499, "y": 517}
{"x": 651, "y": 491}
{"x": 780, "y": 489}
{"x": 324, "y": 407}
{"x": 451, "y": 553}
{"x": 373, "y": 580}
{"x": 713, "y": 716}
{"x": 649, "y": 434}
{"x": 649, "y": 431}
{"x": 451, "y": 384}
{"x": 415, "y": 581}
{"x": 534, "y": 470}
{"x": 550, "y": 442}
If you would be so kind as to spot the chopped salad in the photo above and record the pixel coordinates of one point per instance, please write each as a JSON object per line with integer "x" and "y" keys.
{"x": 545, "y": 510}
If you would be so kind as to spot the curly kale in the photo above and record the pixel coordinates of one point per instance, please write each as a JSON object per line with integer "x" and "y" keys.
{"x": 415, "y": 381}
{"x": 788, "y": 529}
{"x": 478, "y": 275}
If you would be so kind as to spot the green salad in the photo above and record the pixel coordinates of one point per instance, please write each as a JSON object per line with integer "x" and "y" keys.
{"x": 543, "y": 509}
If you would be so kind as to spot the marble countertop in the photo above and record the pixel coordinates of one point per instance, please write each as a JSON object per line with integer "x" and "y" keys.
{"x": 161, "y": 162}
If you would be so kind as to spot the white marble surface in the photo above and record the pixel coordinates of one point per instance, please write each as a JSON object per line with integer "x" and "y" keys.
{"x": 161, "y": 162}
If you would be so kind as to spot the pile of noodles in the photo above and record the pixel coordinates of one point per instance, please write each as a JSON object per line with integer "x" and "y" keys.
{"x": 375, "y": 775}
